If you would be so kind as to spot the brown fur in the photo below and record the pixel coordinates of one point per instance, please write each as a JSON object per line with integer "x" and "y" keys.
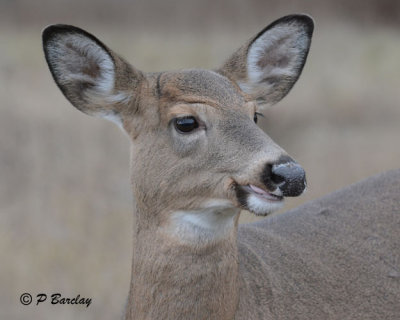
{"x": 333, "y": 258}
{"x": 179, "y": 281}
{"x": 183, "y": 268}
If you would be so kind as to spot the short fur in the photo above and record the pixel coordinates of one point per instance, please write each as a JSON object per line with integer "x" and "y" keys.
{"x": 189, "y": 188}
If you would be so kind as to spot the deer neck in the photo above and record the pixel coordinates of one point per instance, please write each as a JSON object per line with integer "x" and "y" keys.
{"x": 185, "y": 266}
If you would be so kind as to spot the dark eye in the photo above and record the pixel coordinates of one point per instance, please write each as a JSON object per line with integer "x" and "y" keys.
{"x": 186, "y": 124}
{"x": 256, "y": 116}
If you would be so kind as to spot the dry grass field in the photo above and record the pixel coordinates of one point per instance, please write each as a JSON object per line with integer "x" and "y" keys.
{"x": 65, "y": 202}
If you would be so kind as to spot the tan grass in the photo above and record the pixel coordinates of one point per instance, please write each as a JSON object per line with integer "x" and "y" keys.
{"x": 64, "y": 191}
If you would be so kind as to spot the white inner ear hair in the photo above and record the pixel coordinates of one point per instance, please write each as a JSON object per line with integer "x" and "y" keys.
{"x": 76, "y": 58}
{"x": 276, "y": 54}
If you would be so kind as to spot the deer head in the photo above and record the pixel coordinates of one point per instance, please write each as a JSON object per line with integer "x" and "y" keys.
{"x": 195, "y": 141}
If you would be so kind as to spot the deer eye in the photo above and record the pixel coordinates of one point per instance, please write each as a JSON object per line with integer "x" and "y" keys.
{"x": 256, "y": 116}
{"x": 186, "y": 124}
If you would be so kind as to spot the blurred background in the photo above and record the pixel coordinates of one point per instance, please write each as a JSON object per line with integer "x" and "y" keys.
{"x": 65, "y": 201}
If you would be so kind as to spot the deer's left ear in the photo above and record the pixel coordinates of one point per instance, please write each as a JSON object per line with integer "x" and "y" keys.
{"x": 268, "y": 66}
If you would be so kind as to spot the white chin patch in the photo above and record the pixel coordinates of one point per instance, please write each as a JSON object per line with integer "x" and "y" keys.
{"x": 262, "y": 207}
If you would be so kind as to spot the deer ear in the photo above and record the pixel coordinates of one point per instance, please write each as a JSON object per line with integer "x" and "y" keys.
{"x": 93, "y": 78}
{"x": 268, "y": 66}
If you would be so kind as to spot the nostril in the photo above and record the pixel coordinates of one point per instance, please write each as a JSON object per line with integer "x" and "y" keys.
{"x": 289, "y": 177}
{"x": 277, "y": 177}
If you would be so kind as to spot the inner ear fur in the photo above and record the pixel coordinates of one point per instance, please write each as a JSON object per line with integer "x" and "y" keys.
{"x": 269, "y": 64}
{"x": 91, "y": 76}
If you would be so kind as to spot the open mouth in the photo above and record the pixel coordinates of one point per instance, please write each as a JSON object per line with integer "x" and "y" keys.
{"x": 259, "y": 201}
{"x": 263, "y": 194}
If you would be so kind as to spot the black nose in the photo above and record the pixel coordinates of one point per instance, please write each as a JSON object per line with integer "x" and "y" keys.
{"x": 289, "y": 177}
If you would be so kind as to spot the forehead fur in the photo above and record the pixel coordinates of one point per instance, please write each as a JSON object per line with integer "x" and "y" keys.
{"x": 199, "y": 86}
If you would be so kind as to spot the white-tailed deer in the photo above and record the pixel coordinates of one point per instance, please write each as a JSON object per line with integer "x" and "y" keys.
{"x": 198, "y": 158}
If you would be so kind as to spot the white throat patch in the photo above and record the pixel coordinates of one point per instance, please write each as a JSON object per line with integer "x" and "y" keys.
{"x": 214, "y": 221}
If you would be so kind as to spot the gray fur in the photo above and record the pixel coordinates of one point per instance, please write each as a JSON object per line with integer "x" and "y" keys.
{"x": 336, "y": 258}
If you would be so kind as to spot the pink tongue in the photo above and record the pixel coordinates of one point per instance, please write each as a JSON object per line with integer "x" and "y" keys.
{"x": 257, "y": 190}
